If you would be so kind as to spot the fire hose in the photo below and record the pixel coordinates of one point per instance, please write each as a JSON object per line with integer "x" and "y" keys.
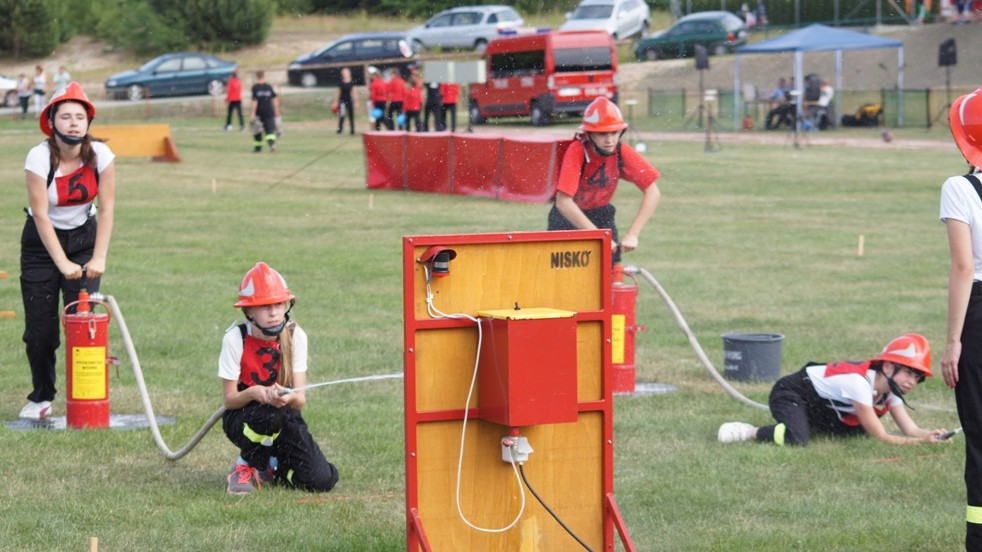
{"x": 692, "y": 338}
{"x": 145, "y": 397}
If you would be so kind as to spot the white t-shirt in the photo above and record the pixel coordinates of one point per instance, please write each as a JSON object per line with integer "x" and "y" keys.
{"x": 231, "y": 355}
{"x": 960, "y": 201}
{"x": 65, "y": 217}
{"x": 846, "y": 388}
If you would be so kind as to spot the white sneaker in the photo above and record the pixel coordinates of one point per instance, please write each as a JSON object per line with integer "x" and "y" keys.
{"x": 35, "y": 411}
{"x": 735, "y": 432}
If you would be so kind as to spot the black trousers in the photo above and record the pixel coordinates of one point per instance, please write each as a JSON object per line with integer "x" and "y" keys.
{"x": 795, "y": 403}
{"x": 450, "y": 109}
{"x": 601, "y": 217}
{"x": 434, "y": 110}
{"x": 235, "y": 106}
{"x": 346, "y": 110}
{"x": 267, "y": 133}
{"x": 381, "y": 120}
{"x": 412, "y": 116}
{"x": 261, "y": 431}
{"x": 40, "y": 284}
{"x": 392, "y": 115}
{"x": 968, "y": 396}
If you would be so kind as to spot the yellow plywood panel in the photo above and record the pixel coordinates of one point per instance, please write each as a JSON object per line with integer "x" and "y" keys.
{"x": 559, "y": 275}
{"x": 444, "y": 368}
{"x": 565, "y": 469}
{"x": 150, "y": 140}
{"x": 589, "y": 361}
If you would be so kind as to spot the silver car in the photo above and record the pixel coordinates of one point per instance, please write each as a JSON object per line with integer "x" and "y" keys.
{"x": 8, "y": 91}
{"x": 620, "y": 18}
{"x": 469, "y": 27}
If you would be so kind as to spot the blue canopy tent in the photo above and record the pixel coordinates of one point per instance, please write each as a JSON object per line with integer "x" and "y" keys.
{"x": 818, "y": 38}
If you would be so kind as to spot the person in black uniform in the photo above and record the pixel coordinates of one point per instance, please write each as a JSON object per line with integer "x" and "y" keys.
{"x": 265, "y": 110}
{"x": 345, "y": 104}
{"x": 434, "y": 106}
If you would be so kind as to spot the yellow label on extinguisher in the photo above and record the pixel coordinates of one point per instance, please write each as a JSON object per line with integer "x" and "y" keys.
{"x": 89, "y": 373}
{"x": 618, "y": 324}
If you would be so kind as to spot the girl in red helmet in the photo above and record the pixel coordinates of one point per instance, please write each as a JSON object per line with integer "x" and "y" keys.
{"x": 63, "y": 249}
{"x": 846, "y": 399}
{"x": 591, "y": 168}
{"x": 961, "y": 365}
{"x": 263, "y": 368}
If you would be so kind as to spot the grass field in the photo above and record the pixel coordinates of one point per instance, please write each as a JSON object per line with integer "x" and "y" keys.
{"x": 753, "y": 238}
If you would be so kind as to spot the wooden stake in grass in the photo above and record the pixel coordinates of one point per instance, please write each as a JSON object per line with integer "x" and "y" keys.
{"x": 371, "y": 201}
{"x": 859, "y": 248}
{"x": 93, "y": 544}
{"x": 214, "y": 185}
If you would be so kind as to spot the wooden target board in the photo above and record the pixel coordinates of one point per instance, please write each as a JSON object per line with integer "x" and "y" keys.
{"x": 571, "y": 466}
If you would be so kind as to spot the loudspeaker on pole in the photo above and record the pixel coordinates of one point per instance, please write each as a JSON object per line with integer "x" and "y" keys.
{"x": 702, "y": 57}
{"x": 947, "y": 53}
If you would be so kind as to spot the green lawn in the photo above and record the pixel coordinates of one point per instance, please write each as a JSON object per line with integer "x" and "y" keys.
{"x": 753, "y": 238}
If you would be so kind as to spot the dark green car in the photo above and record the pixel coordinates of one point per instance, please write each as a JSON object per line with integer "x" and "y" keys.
{"x": 719, "y": 31}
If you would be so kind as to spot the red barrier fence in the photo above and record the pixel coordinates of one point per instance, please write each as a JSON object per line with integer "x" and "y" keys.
{"x": 481, "y": 165}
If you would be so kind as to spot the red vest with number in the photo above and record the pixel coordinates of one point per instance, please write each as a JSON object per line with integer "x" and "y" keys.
{"x": 78, "y": 187}
{"x": 260, "y": 362}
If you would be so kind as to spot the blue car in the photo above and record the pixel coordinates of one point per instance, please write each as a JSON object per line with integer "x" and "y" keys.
{"x": 181, "y": 74}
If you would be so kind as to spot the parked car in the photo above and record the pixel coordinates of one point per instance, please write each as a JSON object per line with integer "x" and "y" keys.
{"x": 465, "y": 27}
{"x": 719, "y": 31}
{"x": 620, "y": 18}
{"x": 8, "y": 90}
{"x": 322, "y": 67}
{"x": 179, "y": 74}
{"x": 540, "y": 75}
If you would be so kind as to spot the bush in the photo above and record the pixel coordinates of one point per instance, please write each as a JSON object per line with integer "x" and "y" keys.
{"x": 157, "y": 26}
{"x": 29, "y": 28}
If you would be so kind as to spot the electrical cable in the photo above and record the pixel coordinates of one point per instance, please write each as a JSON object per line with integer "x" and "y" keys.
{"x": 521, "y": 469}
{"x": 692, "y": 338}
{"x": 436, "y": 313}
{"x": 145, "y": 397}
{"x": 316, "y": 159}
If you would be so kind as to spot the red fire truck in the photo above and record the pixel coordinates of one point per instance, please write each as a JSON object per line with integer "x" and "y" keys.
{"x": 543, "y": 73}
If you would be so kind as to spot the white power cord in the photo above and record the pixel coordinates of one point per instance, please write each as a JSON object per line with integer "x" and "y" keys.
{"x": 436, "y": 313}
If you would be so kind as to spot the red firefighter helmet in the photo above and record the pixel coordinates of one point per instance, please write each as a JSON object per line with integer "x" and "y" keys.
{"x": 910, "y": 350}
{"x": 73, "y": 92}
{"x": 966, "y": 126}
{"x": 262, "y": 285}
{"x": 602, "y": 115}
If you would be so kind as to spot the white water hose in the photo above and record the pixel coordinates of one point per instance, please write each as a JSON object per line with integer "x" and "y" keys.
{"x": 692, "y": 338}
{"x": 145, "y": 398}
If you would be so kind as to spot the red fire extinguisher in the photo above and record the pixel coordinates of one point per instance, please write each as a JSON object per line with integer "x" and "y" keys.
{"x": 87, "y": 359}
{"x": 625, "y": 297}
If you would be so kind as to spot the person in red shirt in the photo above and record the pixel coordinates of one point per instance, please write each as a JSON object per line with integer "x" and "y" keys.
{"x": 449, "y": 92}
{"x": 591, "y": 168}
{"x": 414, "y": 101}
{"x": 397, "y": 95}
{"x": 378, "y": 93}
{"x": 233, "y": 97}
